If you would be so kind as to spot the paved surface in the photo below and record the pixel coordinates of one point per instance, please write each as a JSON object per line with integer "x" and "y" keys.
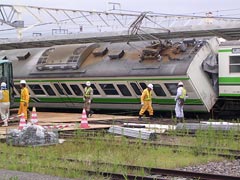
{"x": 17, "y": 175}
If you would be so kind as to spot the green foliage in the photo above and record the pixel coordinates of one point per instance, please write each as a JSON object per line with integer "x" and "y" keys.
{"x": 13, "y": 178}
{"x": 116, "y": 150}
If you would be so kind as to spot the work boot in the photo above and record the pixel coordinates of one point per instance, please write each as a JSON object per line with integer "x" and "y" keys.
{"x": 181, "y": 120}
{"x": 140, "y": 118}
{"x": 91, "y": 113}
{"x": 5, "y": 123}
{"x": 152, "y": 118}
{"x": 87, "y": 113}
{"x": 178, "y": 120}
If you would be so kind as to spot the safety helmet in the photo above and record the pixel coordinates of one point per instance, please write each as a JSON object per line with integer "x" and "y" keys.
{"x": 23, "y": 82}
{"x": 88, "y": 83}
{"x": 3, "y": 84}
{"x": 180, "y": 84}
{"x": 150, "y": 86}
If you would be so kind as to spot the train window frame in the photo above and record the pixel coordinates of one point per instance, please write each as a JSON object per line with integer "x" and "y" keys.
{"x": 234, "y": 66}
{"x": 66, "y": 89}
{"x": 17, "y": 90}
{"x": 134, "y": 90}
{"x": 49, "y": 92}
{"x": 123, "y": 91}
{"x": 81, "y": 94}
{"x": 172, "y": 91}
{"x": 143, "y": 85}
{"x": 59, "y": 89}
{"x": 162, "y": 90}
{"x": 96, "y": 91}
{"x": 109, "y": 91}
{"x": 14, "y": 92}
{"x": 36, "y": 91}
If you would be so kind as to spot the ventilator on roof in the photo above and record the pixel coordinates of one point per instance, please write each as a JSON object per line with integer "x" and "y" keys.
{"x": 64, "y": 57}
{"x": 117, "y": 55}
{"x": 100, "y": 52}
{"x": 23, "y": 56}
{"x": 3, "y": 58}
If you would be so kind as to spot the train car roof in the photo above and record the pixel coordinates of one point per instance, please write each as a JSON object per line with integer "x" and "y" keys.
{"x": 230, "y": 43}
{"x": 105, "y": 59}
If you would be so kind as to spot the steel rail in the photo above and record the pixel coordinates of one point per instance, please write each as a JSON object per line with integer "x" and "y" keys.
{"x": 161, "y": 171}
{"x": 234, "y": 153}
{"x": 154, "y": 172}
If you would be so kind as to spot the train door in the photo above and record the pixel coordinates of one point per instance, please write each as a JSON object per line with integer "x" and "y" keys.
{"x": 6, "y": 75}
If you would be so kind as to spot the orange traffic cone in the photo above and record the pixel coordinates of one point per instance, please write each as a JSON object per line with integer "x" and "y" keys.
{"x": 22, "y": 122}
{"x": 84, "y": 122}
{"x": 34, "y": 119}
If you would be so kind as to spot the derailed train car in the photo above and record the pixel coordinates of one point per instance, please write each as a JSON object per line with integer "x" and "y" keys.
{"x": 119, "y": 72}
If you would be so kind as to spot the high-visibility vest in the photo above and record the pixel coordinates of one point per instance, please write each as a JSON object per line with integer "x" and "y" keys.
{"x": 87, "y": 92}
{"x": 146, "y": 95}
{"x": 5, "y": 96}
{"x": 24, "y": 95}
{"x": 184, "y": 93}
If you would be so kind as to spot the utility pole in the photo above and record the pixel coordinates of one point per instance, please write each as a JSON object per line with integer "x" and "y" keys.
{"x": 115, "y": 5}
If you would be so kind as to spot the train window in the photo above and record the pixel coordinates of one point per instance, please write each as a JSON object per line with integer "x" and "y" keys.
{"x": 124, "y": 90}
{"x": 95, "y": 91}
{"x": 234, "y": 64}
{"x": 65, "y": 87}
{"x": 109, "y": 89}
{"x": 49, "y": 90}
{"x": 42, "y": 60}
{"x": 18, "y": 88}
{"x": 36, "y": 89}
{"x": 172, "y": 88}
{"x": 60, "y": 91}
{"x": 76, "y": 90}
{"x": 158, "y": 90}
{"x": 143, "y": 85}
{"x": 135, "y": 88}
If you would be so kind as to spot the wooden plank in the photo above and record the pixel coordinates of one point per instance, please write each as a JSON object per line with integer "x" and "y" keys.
{"x": 57, "y": 119}
{"x": 3, "y": 130}
{"x": 50, "y": 117}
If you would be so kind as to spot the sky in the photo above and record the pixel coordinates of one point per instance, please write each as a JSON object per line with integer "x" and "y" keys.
{"x": 229, "y": 8}
{"x": 159, "y": 6}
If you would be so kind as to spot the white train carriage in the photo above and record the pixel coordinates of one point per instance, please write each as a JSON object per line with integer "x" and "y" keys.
{"x": 229, "y": 78}
{"x": 229, "y": 69}
{"x": 119, "y": 72}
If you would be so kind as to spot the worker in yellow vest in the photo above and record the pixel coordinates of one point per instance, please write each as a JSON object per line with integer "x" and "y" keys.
{"x": 24, "y": 99}
{"x": 87, "y": 98}
{"x": 4, "y": 103}
{"x": 146, "y": 102}
{"x": 180, "y": 99}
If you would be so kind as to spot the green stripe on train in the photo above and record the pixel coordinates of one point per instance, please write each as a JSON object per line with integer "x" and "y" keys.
{"x": 112, "y": 100}
{"x": 112, "y": 80}
{"x": 224, "y": 50}
{"x": 229, "y": 80}
{"x": 233, "y": 95}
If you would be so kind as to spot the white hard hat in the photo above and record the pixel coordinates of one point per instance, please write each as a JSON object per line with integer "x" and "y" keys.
{"x": 3, "y": 84}
{"x": 180, "y": 84}
{"x": 88, "y": 83}
{"x": 23, "y": 82}
{"x": 150, "y": 86}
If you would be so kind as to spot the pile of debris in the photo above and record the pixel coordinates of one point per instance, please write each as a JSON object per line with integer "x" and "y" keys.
{"x": 33, "y": 135}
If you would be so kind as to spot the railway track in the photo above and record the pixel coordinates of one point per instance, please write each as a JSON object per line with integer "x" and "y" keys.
{"x": 149, "y": 172}
{"x": 222, "y": 152}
